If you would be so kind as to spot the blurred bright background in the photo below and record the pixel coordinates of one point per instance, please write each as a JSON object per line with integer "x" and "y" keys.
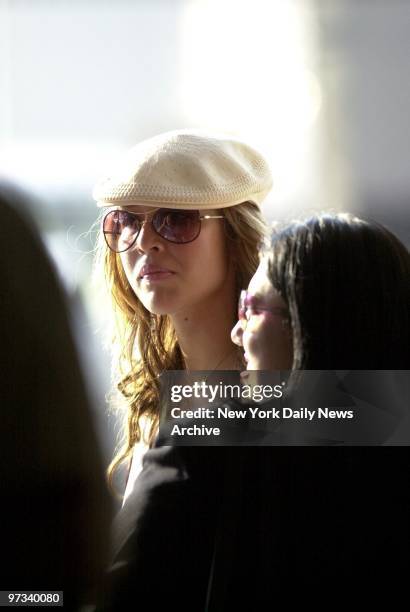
{"x": 321, "y": 87}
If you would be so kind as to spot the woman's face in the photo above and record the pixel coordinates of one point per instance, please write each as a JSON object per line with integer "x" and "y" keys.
{"x": 265, "y": 336}
{"x": 167, "y": 277}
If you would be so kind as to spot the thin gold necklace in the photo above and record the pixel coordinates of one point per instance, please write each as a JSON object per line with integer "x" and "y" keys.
{"x": 224, "y": 357}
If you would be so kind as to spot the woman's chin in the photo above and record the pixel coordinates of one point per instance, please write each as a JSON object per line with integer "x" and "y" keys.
{"x": 158, "y": 310}
{"x": 158, "y": 306}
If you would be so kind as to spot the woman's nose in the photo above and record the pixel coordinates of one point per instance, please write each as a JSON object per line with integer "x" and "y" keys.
{"x": 147, "y": 238}
{"x": 237, "y": 333}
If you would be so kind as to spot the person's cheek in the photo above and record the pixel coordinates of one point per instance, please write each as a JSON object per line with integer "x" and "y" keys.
{"x": 251, "y": 339}
{"x": 257, "y": 339}
{"x": 128, "y": 263}
{"x": 267, "y": 343}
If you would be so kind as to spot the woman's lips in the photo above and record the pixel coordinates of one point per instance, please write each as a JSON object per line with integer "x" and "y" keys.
{"x": 152, "y": 272}
{"x": 156, "y": 276}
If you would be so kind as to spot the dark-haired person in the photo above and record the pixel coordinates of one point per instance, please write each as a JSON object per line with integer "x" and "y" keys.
{"x": 223, "y": 528}
{"x": 344, "y": 286}
{"x": 55, "y": 509}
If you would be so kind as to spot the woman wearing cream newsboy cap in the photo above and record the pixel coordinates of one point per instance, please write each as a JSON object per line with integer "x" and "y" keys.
{"x": 180, "y": 233}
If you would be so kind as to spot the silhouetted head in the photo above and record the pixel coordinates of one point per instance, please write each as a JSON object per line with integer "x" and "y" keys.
{"x": 344, "y": 285}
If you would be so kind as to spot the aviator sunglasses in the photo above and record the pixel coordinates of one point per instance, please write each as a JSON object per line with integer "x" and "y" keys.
{"x": 121, "y": 227}
{"x": 248, "y": 303}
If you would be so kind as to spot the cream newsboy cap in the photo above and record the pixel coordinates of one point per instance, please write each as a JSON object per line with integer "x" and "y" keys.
{"x": 187, "y": 169}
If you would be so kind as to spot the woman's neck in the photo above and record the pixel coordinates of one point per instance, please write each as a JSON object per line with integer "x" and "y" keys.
{"x": 204, "y": 335}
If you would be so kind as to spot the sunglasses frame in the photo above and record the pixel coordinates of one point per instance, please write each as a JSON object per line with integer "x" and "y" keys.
{"x": 245, "y": 304}
{"x": 152, "y": 214}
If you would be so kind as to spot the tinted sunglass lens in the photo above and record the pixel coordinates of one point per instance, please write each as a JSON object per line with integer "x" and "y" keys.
{"x": 120, "y": 230}
{"x": 242, "y": 305}
{"x": 178, "y": 226}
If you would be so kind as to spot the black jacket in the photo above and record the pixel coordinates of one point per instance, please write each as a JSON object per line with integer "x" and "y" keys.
{"x": 214, "y": 528}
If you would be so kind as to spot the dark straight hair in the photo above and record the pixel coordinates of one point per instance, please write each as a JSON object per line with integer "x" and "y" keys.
{"x": 347, "y": 284}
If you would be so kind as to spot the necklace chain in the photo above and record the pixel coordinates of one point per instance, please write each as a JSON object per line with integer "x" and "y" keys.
{"x": 224, "y": 357}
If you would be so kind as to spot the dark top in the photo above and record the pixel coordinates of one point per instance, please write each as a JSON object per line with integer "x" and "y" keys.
{"x": 214, "y": 528}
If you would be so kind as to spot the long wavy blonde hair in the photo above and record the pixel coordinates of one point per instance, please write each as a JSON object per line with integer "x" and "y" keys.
{"x": 143, "y": 345}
